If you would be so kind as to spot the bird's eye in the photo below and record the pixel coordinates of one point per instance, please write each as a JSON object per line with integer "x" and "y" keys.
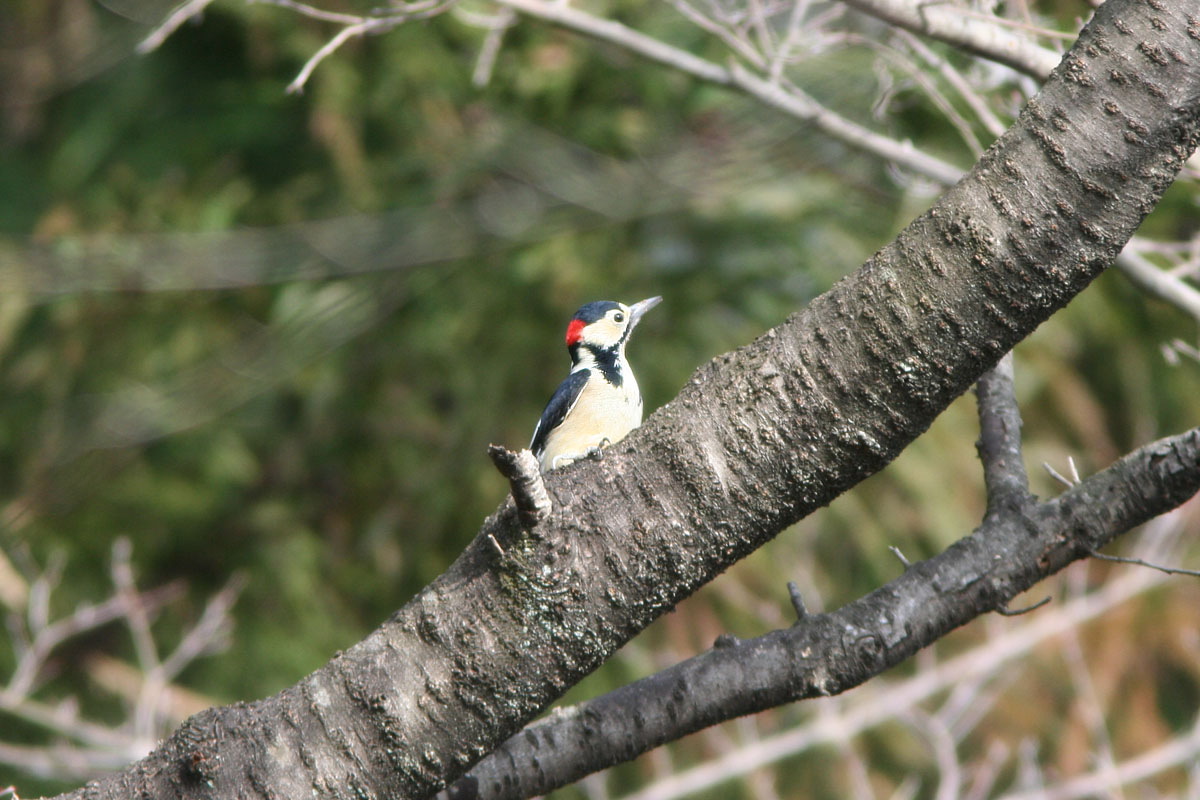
{"x": 618, "y": 317}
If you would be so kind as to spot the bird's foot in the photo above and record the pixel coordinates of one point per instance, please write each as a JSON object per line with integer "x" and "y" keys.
{"x": 597, "y": 452}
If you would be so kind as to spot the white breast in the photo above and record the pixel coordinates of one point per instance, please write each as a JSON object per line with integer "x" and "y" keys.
{"x": 603, "y": 415}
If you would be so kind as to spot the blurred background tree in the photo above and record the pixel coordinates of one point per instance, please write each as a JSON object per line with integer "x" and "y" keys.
{"x": 260, "y": 333}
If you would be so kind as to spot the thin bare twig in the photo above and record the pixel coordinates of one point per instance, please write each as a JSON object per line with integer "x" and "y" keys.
{"x": 956, "y": 79}
{"x": 490, "y": 49}
{"x": 732, "y": 40}
{"x": 1004, "y": 611}
{"x": 1056, "y": 475}
{"x": 133, "y": 612}
{"x": 1089, "y": 702}
{"x": 794, "y": 31}
{"x": 210, "y": 631}
{"x": 762, "y": 32}
{"x": 312, "y": 11}
{"x": 329, "y": 48}
{"x": 1195, "y": 573}
{"x": 354, "y": 27}
{"x": 185, "y": 12}
{"x": 922, "y": 80}
{"x": 792, "y": 100}
{"x": 84, "y": 747}
{"x": 1176, "y": 348}
{"x": 1176, "y": 752}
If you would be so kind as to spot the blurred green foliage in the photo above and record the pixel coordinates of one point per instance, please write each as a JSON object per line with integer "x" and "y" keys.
{"x": 273, "y": 333}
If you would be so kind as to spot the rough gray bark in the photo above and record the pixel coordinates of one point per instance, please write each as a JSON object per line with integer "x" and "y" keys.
{"x": 759, "y": 438}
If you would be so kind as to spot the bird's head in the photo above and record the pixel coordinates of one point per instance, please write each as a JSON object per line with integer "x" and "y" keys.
{"x": 605, "y": 325}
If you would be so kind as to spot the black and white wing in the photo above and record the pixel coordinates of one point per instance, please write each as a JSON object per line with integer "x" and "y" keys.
{"x": 561, "y": 402}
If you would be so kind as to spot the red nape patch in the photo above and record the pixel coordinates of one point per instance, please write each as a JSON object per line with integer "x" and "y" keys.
{"x": 574, "y": 331}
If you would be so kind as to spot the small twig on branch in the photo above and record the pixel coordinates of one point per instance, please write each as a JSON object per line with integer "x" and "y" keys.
{"x": 495, "y": 543}
{"x": 797, "y": 601}
{"x": 792, "y": 100}
{"x": 525, "y": 478}
{"x": 794, "y": 31}
{"x": 1005, "y": 611}
{"x": 1058, "y": 476}
{"x": 922, "y": 79}
{"x": 14, "y": 589}
{"x": 1195, "y": 573}
{"x": 903, "y": 559}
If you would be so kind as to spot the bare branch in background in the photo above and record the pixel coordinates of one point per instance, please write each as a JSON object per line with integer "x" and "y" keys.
{"x": 985, "y": 36}
{"x": 83, "y": 747}
{"x": 749, "y": 35}
{"x": 189, "y": 10}
{"x": 1156, "y": 282}
{"x": 490, "y": 49}
{"x": 1108, "y": 780}
{"x": 397, "y": 15}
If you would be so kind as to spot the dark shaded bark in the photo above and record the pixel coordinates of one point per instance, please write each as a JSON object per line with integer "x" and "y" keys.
{"x": 759, "y": 438}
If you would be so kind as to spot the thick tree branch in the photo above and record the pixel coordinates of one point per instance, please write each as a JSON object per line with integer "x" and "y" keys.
{"x": 825, "y": 654}
{"x": 758, "y": 439}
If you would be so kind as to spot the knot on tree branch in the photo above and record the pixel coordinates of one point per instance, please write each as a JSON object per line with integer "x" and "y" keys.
{"x": 525, "y": 478}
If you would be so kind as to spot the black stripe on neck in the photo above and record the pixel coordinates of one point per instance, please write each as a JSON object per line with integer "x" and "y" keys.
{"x": 606, "y": 362}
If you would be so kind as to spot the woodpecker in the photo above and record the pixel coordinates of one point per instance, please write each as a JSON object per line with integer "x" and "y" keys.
{"x": 599, "y": 402}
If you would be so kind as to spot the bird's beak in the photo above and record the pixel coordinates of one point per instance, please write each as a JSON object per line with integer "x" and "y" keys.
{"x": 638, "y": 309}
